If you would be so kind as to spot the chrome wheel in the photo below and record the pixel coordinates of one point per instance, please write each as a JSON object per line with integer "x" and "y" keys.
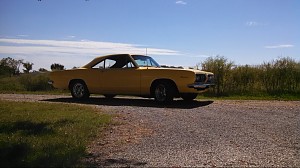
{"x": 160, "y": 93}
{"x": 79, "y": 90}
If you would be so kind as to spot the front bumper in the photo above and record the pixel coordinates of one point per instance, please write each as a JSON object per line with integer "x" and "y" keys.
{"x": 200, "y": 86}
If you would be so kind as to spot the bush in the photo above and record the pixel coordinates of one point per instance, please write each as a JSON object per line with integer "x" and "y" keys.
{"x": 11, "y": 84}
{"x": 221, "y": 68}
{"x": 35, "y": 82}
{"x": 26, "y": 82}
{"x": 276, "y": 78}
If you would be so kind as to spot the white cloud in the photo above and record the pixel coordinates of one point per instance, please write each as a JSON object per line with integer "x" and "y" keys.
{"x": 280, "y": 46}
{"x": 22, "y": 35}
{"x": 181, "y": 2}
{"x": 251, "y": 23}
{"x": 62, "y": 51}
{"x": 70, "y": 37}
{"x": 254, "y": 23}
{"x": 196, "y": 55}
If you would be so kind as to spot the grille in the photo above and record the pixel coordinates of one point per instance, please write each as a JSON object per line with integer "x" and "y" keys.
{"x": 200, "y": 77}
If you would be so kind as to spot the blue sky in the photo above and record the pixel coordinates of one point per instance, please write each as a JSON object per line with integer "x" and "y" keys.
{"x": 181, "y": 33}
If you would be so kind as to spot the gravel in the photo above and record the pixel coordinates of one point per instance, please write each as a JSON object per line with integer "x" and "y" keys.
{"x": 200, "y": 133}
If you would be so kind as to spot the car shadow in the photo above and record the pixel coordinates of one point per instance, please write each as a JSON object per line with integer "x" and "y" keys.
{"x": 120, "y": 101}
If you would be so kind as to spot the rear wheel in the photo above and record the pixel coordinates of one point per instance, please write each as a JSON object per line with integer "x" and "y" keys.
{"x": 79, "y": 90}
{"x": 163, "y": 92}
{"x": 189, "y": 96}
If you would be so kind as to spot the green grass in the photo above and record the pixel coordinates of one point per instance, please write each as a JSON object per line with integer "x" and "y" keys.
{"x": 26, "y": 82}
{"x": 47, "y": 135}
{"x": 35, "y": 83}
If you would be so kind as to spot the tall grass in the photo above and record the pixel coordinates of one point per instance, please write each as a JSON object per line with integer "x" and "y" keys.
{"x": 277, "y": 78}
{"x": 26, "y": 82}
{"x": 46, "y": 135}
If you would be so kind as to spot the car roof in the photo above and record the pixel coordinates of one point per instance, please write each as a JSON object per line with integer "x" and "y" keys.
{"x": 100, "y": 58}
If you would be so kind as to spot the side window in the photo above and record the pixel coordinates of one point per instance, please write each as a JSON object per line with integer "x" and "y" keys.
{"x": 105, "y": 64}
{"x": 109, "y": 63}
{"x": 100, "y": 65}
{"x": 128, "y": 65}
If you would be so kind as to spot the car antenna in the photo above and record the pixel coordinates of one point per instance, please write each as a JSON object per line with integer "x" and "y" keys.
{"x": 146, "y": 55}
{"x": 146, "y": 51}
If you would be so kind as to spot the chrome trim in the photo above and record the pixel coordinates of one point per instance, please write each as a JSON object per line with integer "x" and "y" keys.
{"x": 200, "y": 86}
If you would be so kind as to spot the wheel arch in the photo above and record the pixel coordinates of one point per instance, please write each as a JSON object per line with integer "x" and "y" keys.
{"x": 163, "y": 80}
{"x": 72, "y": 81}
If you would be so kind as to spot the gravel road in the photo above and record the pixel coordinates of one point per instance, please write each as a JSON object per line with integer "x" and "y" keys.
{"x": 200, "y": 133}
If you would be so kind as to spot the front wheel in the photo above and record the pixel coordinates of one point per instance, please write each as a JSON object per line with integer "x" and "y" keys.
{"x": 163, "y": 92}
{"x": 79, "y": 90}
{"x": 189, "y": 96}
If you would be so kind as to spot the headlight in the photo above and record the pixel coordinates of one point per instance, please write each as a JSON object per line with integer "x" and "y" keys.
{"x": 200, "y": 77}
{"x": 211, "y": 79}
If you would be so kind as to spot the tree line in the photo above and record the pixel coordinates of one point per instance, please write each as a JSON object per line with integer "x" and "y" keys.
{"x": 11, "y": 67}
{"x": 280, "y": 76}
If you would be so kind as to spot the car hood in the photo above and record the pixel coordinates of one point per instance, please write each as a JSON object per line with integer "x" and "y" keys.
{"x": 198, "y": 71}
{"x": 179, "y": 69}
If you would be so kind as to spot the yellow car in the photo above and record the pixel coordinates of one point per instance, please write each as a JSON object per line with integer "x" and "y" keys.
{"x": 125, "y": 74}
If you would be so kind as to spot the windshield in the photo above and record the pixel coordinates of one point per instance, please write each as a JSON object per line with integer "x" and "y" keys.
{"x": 145, "y": 61}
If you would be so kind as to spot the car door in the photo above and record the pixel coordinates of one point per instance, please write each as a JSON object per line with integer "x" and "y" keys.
{"x": 93, "y": 78}
{"x": 120, "y": 76}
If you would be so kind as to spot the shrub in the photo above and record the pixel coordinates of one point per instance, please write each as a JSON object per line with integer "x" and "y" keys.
{"x": 35, "y": 82}
{"x": 277, "y": 77}
{"x": 26, "y": 82}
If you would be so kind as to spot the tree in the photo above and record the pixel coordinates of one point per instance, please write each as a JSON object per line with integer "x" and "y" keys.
{"x": 281, "y": 75}
{"x": 10, "y": 66}
{"x": 245, "y": 79}
{"x": 27, "y": 66}
{"x": 221, "y": 67}
{"x": 43, "y": 70}
{"x": 56, "y": 66}
{"x": 5, "y": 70}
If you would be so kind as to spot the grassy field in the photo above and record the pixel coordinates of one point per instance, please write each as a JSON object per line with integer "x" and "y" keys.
{"x": 46, "y": 135}
{"x": 29, "y": 84}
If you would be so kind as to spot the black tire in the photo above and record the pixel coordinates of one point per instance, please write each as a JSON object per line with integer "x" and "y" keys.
{"x": 189, "y": 96}
{"x": 109, "y": 96}
{"x": 163, "y": 92}
{"x": 79, "y": 90}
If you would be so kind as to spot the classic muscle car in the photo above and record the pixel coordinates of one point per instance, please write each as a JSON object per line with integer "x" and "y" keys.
{"x": 126, "y": 74}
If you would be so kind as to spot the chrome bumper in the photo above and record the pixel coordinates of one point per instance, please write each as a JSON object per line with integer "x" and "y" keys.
{"x": 201, "y": 86}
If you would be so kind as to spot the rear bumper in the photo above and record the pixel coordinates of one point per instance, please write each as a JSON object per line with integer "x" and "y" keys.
{"x": 200, "y": 86}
